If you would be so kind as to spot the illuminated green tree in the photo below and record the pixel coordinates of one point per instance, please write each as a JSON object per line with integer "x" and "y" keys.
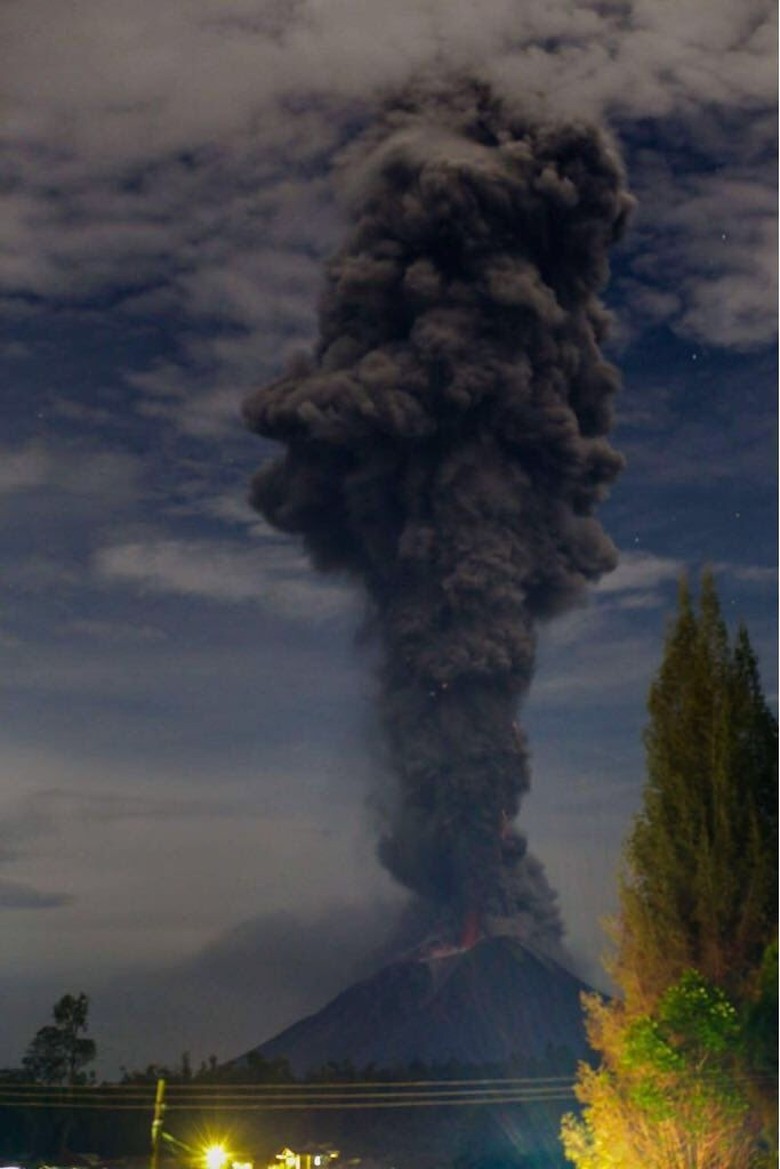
{"x": 668, "y": 1093}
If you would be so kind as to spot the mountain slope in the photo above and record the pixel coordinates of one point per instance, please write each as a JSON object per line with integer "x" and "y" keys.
{"x": 494, "y": 1003}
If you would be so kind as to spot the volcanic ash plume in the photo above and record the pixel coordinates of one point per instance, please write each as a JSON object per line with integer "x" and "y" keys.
{"x": 445, "y": 445}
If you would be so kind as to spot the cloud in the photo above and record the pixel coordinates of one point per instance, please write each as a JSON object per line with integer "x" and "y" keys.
{"x": 750, "y": 574}
{"x": 94, "y": 807}
{"x": 23, "y": 825}
{"x": 707, "y": 242}
{"x": 23, "y": 469}
{"x": 25, "y": 820}
{"x": 110, "y": 631}
{"x": 225, "y": 997}
{"x": 54, "y": 499}
{"x": 301, "y": 957}
{"x": 111, "y": 476}
{"x": 17, "y": 895}
{"x": 218, "y": 63}
{"x": 594, "y": 671}
{"x": 191, "y": 183}
{"x": 641, "y": 572}
{"x": 640, "y": 581}
{"x": 608, "y": 651}
{"x": 101, "y": 833}
{"x": 219, "y": 571}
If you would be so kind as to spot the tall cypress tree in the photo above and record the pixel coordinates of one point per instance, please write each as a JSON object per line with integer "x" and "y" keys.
{"x": 697, "y": 925}
{"x": 700, "y": 884}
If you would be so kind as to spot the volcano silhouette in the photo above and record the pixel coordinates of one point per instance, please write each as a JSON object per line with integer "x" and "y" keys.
{"x": 497, "y": 1003}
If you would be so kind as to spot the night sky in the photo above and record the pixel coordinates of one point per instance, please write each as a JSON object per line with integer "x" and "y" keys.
{"x": 188, "y": 750}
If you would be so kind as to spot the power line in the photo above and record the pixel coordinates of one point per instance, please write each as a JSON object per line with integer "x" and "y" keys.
{"x": 304, "y": 1105}
{"x": 183, "y": 1098}
{"x": 195, "y": 1094}
{"x": 307, "y": 1085}
{"x": 374, "y": 1094}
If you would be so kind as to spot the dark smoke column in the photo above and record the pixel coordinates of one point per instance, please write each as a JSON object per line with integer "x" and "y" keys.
{"x": 445, "y": 445}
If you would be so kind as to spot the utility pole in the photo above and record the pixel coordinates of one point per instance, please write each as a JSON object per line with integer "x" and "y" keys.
{"x": 157, "y": 1124}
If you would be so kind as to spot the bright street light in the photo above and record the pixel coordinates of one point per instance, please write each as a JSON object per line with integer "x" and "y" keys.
{"x": 216, "y": 1157}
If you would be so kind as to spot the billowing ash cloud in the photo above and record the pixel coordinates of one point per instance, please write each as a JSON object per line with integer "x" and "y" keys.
{"x": 445, "y": 445}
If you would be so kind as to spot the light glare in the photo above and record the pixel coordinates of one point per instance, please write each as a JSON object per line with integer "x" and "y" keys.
{"x": 216, "y": 1157}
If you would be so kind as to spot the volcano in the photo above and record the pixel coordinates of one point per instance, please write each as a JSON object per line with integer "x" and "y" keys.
{"x": 498, "y": 1002}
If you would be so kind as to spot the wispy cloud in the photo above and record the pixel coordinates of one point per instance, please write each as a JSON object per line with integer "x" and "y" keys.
{"x": 218, "y": 571}
{"x": 23, "y": 825}
{"x": 603, "y": 669}
{"x": 639, "y": 572}
{"x": 110, "y": 632}
{"x": 21, "y": 470}
{"x": 705, "y": 252}
{"x": 750, "y": 574}
{"x": 17, "y": 895}
{"x": 108, "y": 476}
{"x": 90, "y": 805}
{"x": 607, "y": 651}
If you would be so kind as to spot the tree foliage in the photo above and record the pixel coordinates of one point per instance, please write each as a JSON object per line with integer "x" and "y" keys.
{"x": 668, "y": 1093}
{"x": 686, "y": 1072}
{"x": 700, "y": 884}
{"x": 60, "y": 1052}
{"x": 255, "y": 1069}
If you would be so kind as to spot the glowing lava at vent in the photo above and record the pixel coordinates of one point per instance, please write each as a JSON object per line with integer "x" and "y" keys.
{"x": 471, "y": 930}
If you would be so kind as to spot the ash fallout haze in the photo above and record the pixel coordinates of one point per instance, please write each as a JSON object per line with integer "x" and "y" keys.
{"x": 252, "y": 746}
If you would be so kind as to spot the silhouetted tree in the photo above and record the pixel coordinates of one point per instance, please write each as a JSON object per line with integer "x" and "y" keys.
{"x": 59, "y": 1053}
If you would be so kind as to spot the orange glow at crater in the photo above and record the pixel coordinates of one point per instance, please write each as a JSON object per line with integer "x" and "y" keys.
{"x": 471, "y": 930}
